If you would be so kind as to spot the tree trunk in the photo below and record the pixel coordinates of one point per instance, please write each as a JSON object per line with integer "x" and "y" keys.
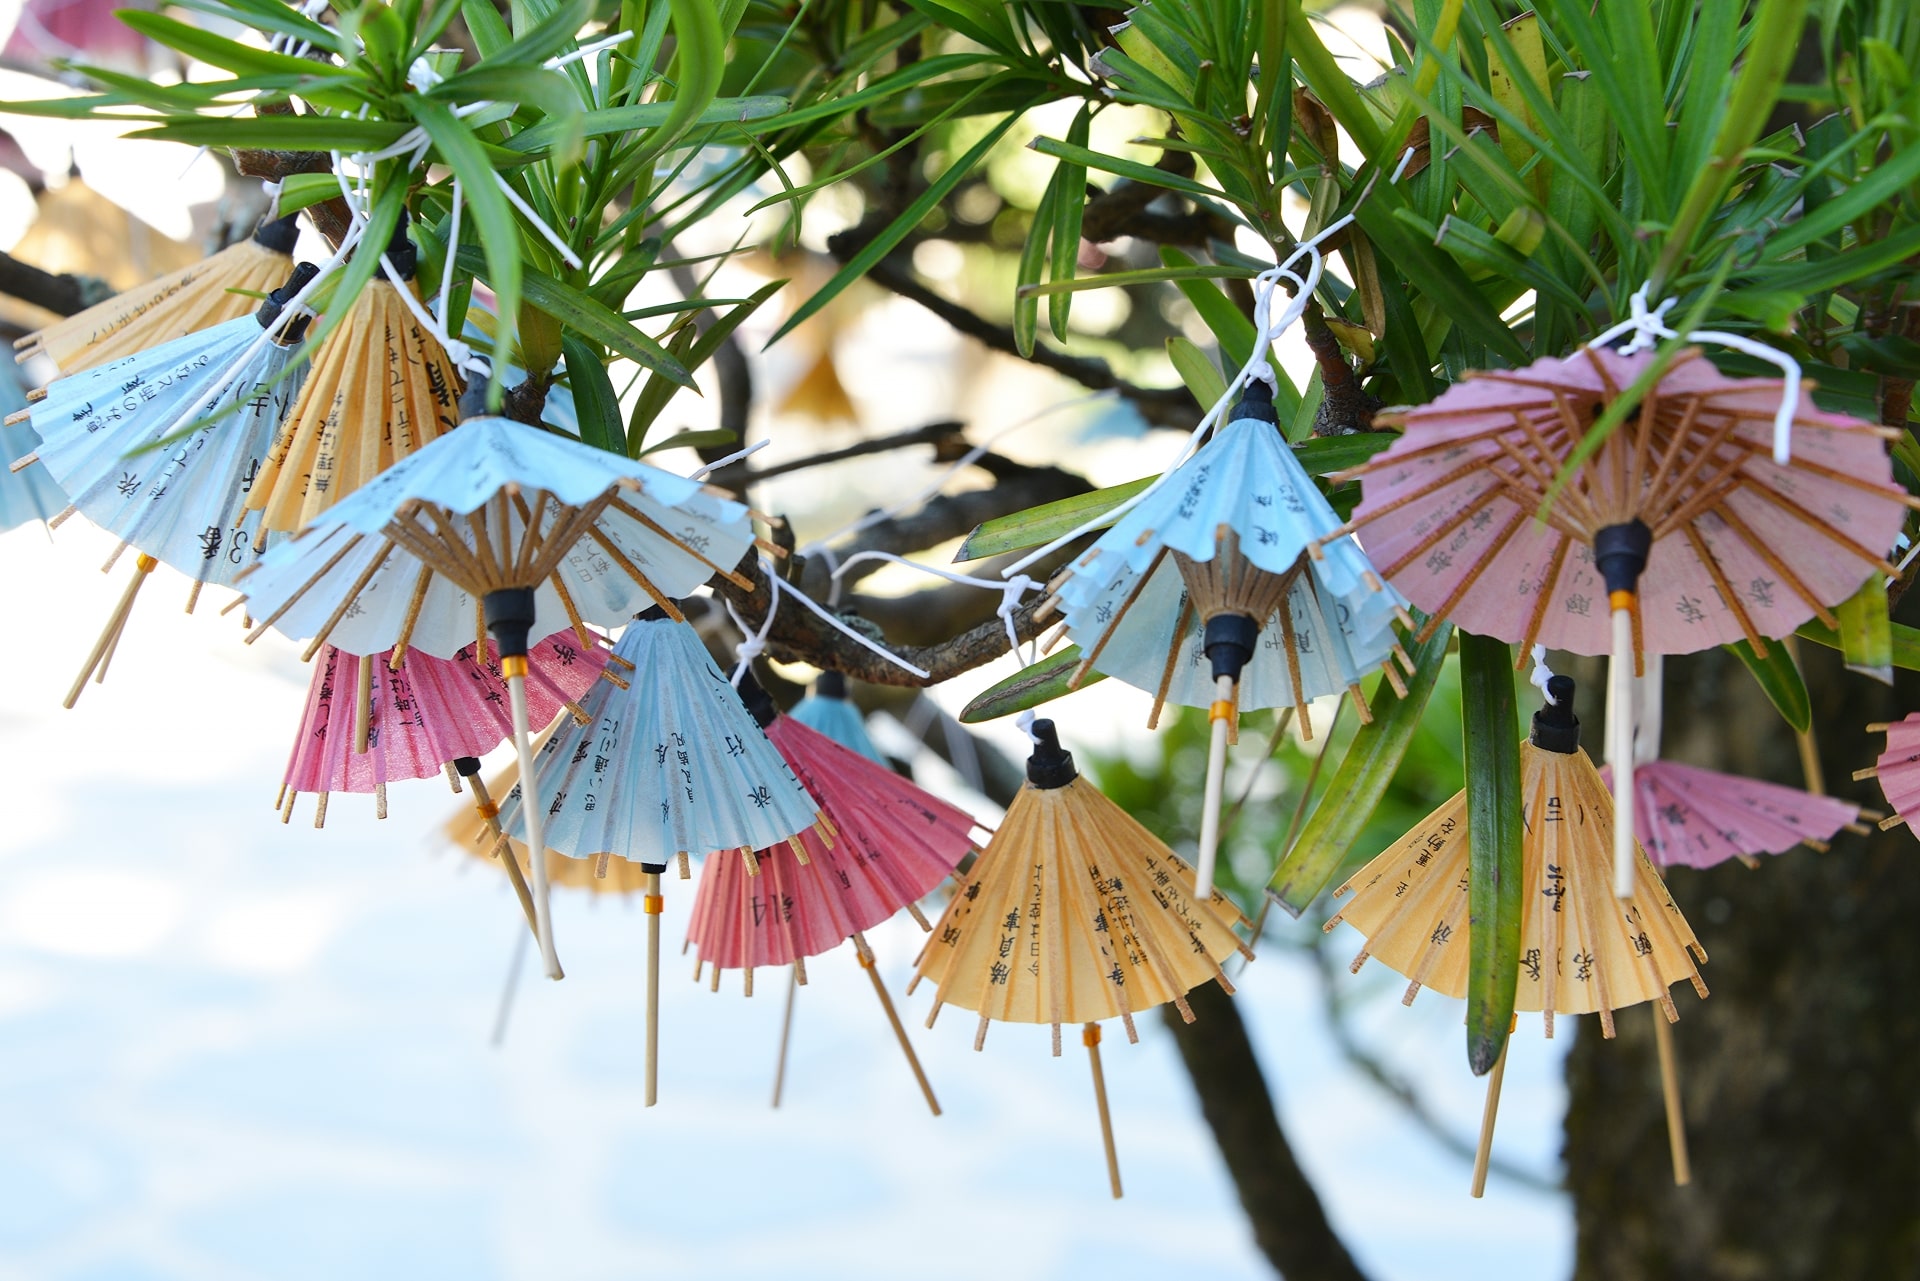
{"x": 1801, "y": 1074}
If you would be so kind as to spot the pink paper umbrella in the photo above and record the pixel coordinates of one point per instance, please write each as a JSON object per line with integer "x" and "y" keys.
{"x": 1677, "y": 533}
{"x": 1898, "y": 770}
{"x": 367, "y": 724}
{"x": 1699, "y": 817}
{"x": 883, "y": 844}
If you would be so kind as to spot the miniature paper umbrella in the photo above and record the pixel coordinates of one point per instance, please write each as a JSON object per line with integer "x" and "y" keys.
{"x": 1235, "y": 542}
{"x": 496, "y": 524}
{"x": 1581, "y": 949}
{"x": 381, "y": 387}
{"x": 1898, "y": 770}
{"x": 827, "y": 709}
{"x": 1700, "y": 817}
{"x": 368, "y": 722}
{"x": 1679, "y": 532}
{"x": 1072, "y": 914}
{"x": 112, "y": 437}
{"x": 222, "y": 288}
{"x": 883, "y": 844}
{"x": 669, "y": 766}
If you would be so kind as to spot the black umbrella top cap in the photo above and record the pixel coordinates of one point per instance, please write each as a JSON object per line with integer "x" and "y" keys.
{"x": 1051, "y": 765}
{"x": 1555, "y": 727}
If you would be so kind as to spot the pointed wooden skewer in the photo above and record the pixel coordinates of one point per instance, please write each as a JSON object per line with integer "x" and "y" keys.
{"x": 1090, "y": 1037}
{"x": 1484, "y": 1152}
{"x": 514, "y": 967}
{"x": 865, "y": 955}
{"x": 1670, "y": 1091}
{"x": 469, "y": 767}
{"x": 786, "y": 1033}
{"x": 651, "y": 904}
{"x": 514, "y": 668}
{"x": 110, "y": 635}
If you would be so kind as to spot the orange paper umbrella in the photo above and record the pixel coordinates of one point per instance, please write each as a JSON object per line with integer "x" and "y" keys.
{"x": 381, "y": 386}
{"x": 1679, "y": 532}
{"x": 221, "y": 288}
{"x": 1075, "y": 913}
{"x": 1581, "y": 950}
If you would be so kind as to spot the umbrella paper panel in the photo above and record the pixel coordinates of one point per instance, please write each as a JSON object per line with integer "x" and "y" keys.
{"x": 1581, "y": 949}
{"x": 1742, "y": 547}
{"x": 1700, "y": 817}
{"x": 785, "y": 910}
{"x": 223, "y": 287}
{"x": 30, "y": 493}
{"x": 1074, "y": 914}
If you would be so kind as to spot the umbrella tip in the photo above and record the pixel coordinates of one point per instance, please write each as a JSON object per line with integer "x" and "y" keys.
{"x": 830, "y": 684}
{"x": 1555, "y": 727}
{"x": 401, "y": 253}
{"x": 509, "y": 615}
{"x": 278, "y": 235}
{"x": 269, "y": 311}
{"x": 758, "y": 701}
{"x": 467, "y": 766}
{"x": 651, "y": 614}
{"x": 473, "y": 401}
{"x": 1051, "y": 765}
{"x": 1620, "y": 553}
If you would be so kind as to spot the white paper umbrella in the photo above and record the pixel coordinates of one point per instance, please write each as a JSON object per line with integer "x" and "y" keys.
{"x": 495, "y": 525}
{"x": 674, "y": 764}
{"x": 113, "y": 438}
{"x": 1226, "y": 588}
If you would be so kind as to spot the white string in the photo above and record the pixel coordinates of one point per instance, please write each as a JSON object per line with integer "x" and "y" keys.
{"x": 586, "y": 50}
{"x": 273, "y": 198}
{"x": 1541, "y": 674}
{"x": 830, "y": 620}
{"x": 1650, "y": 327}
{"x": 701, "y": 473}
{"x": 1267, "y": 332}
{"x": 1025, "y": 721}
{"x": 752, "y": 644}
{"x": 453, "y": 250}
{"x": 1011, "y": 590}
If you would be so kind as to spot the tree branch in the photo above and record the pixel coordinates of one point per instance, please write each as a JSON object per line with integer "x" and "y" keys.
{"x": 63, "y": 295}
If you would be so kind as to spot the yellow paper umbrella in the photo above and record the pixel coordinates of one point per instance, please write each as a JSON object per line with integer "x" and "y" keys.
{"x": 1582, "y": 950}
{"x": 381, "y": 386}
{"x": 216, "y": 289}
{"x": 1075, "y": 913}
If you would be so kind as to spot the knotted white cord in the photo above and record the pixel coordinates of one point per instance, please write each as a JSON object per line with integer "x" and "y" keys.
{"x": 1267, "y": 332}
{"x": 752, "y": 644}
{"x": 1650, "y": 327}
{"x": 1010, "y": 589}
{"x": 826, "y": 616}
{"x": 1541, "y": 673}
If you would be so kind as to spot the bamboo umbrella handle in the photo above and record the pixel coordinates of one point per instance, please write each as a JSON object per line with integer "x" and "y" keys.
{"x": 786, "y": 1032}
{"x": 491, "y": 813}
{"x": 865, "y": 955}
{"x": 1670, "y": 1090}
{"x": 1484, "y": 1152}
{"x": 1620, "y": 751}
{"x": 1222, "y": 721}
{"x": 514, "y": 668}
{"x": 1090, "y": 1037}
{"x": 651, "y": 904}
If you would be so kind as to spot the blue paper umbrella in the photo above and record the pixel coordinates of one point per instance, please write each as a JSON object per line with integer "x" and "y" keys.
{"x": 491, "y": 526}
{"x": 29, "y": 493}
{"x": 829, "y": 710}
{"x": 674, "y": 764}
{"x": 160, "y": 448}
{"x": 1224, "y": 589}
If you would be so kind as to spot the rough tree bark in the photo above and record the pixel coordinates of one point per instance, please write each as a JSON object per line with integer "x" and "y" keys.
{"x": 1801, "y": 1073}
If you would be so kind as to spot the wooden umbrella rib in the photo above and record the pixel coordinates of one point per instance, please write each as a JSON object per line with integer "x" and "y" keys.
{"x": 634, "y": 513}
{"x": 558, "y": 543}
{"x": 1689, "y": 479}
{"x": 493, "y": 560}
{"x": 303, "y": 589}
{"x": 431, "y": 550}
{"x": 1712, "y": 563}
{"x": 1543, "y": 593}
{"x": 534, "y": 517}
{"x": 1446, "y": 527}
{"x": 1173, "y": 658}
{"x": 1807, "y": 518}
{"x": 633, "y": 571}
{"x": 1583, "y": 904}
{"x": 573, "y": 617}
{"x": 1892, "y": 495}
{"x": 449, "y": 549}
{"x": 347, "y": 600}
{"x": 1472, "y": 467}
{"x": 414, "y": 602}
{"x": 1772, "y": 560}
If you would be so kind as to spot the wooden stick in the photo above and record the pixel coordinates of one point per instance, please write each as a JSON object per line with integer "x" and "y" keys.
{"x": 650, "y": 904}
{"x": 363, "y": 707}
{"x": 786, "y": 1033}
{"x": 1090, "y": 1037}
{"x": 1221, "y": 717}
{"x": 503, "y": 850}
{"x": 518, "y": 963}
{"x": 530, "y": 809}
{"x": 110, "y": 635}
{"x": 1484, "y": 1152}
{"x": 1670, "y": 1090}
{"x": 865, "y": 955}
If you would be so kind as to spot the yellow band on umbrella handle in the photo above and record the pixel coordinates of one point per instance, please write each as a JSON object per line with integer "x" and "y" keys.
{"x": 145, "y": 564}
{"x": 651, "y": 904}
{"x": 1090, "y": 1035}
{"x": 513, "y": 665}
{"x": 1622, "y": 600}
{"x": 1221, "y": 710}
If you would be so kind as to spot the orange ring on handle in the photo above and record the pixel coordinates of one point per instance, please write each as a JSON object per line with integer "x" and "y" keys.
{"x": 1221, "y": 710}
{"x": 1622, "y": 600}
{"x": 1090, "y": 1035}
{"x": 513, "y": 665}
{"x": 652, "y": 904}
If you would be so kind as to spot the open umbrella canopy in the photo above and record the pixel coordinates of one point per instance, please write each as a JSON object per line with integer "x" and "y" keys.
{"x": 217, "y": 289}
{"x": 1699, "y": 817}
{"x": 495, "y": 504}
{"x": 1736, "y": 546}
